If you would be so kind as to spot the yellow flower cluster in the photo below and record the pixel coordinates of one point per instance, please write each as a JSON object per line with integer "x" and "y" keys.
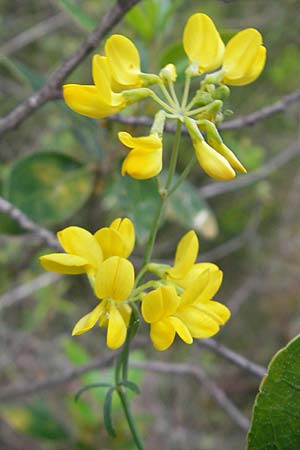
{"x": 118, "y": 82}
{"x": 179, "y": 302}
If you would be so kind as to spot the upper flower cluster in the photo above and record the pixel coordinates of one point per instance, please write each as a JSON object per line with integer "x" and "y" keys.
{"x": 119, "y": 81}
{"x": 180, "y": 301}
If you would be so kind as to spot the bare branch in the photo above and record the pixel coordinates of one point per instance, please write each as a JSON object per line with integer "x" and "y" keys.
{"x": 15, "y": 392}
{"x": 51, "y": 88}
{"x": 17, "y": 294}
{"x": 250, "y": 119}
{"x": 219, "y": 188}
{"x": 34, "y": 33}
{"x": 27, "y": 224}
{"x": 234, "y": 124}
{"x": 233, "y": 357}
{"x": 198, "y": 373}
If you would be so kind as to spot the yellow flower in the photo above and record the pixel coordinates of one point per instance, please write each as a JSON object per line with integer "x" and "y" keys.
{"x": 96, "y": 100}
{"x": 244, "y": 58}
{"x": 159, "y": 308}
{"x": 185, "y": 272}
{"x": 202, "y": 43}
{"x": 124, "y": 62}
{"x": 198, "y": 311}
{"x": 85, "y": 252}
{"x": 114, "y": 282}
{"x": 145, "y": 159}
{"x": 118, "y": 239}
{"x": 212, "y": 162}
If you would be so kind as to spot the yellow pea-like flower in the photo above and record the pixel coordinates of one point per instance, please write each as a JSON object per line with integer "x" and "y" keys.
{"x": 145, "y": 159}
{"x": 124, "y": 62}
{"x": 244, "y": 58}
{"x": 202, "y": 315}
{"x": 212, "y": 162}
{"x": 83, "y": 253}
{"x": 185, "y": 270}
{"x": 202, "y": 43}
{"x": 114, "y": 282}
{"x": 98, "y": 100}
{"x": 159, "y": 310}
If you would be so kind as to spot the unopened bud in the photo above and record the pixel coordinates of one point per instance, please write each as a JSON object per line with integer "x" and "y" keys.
{"x": 168, "y": 73}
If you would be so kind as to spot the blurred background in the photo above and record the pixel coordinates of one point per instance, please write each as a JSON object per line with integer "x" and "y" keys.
{"x": 60, "y": 169}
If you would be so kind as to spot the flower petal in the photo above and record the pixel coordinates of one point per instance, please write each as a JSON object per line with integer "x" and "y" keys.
{"x": 80, "y": 242}
{"x": 254, "y": 71}
{"x": 181, "y": 329}
{"x": 150, "y": 142}
{"x": 124, "y": 61}
{"x": 194, "y": 273}
{"x": 126, "y": 228}
{"x": 64, "y": 264}
{"x": 214, "y": 164}
{"x": 202, "y": 42}
{"x": 212, "y": 287}
{"x": 111, "y": 243}
{"x": 229, "y": 155}
{"x": 220, "y": 310}
{"x": 87, "y": 100}
{"x": 141, "y": 164}
{"x": 114, "y": 279}
{"x": 88, "y": 321}
{"x": 195, "y": 289}
{"x": 152, "y": 306}
{"x": 200, "y": 324}
{"x": 162, "y": 334}
{"x": 186, "y": 254}
{"x": 116, "y": 330}
{"x": 241, "y": 54}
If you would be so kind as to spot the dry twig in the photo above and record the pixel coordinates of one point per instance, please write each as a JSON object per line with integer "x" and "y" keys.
{"x": 198, "y": 373}
{"x": 51, "y": 89}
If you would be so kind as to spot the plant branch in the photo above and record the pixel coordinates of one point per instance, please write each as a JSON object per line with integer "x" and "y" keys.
{"x": 198, "y": 373}
{"x": 51, "y": 89}
{"x": 27, "y": 224}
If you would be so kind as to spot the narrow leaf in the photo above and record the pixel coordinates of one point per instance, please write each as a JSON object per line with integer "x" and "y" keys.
{"x": 107, "y": 412}
{"x": 88, "y": 387}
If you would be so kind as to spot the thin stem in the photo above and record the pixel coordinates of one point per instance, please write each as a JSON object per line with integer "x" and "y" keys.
{"x": 158, "y": 100}
{"x": 174, "y": 155}
{"x": 166, "y": 94}
{"x": 130, "y": 419}
{"x": 186, "y": 91}
{"x": 173, "y": 93}
{"x": 183, "y": 175}
{"x": 196, "y": 111}
{"x": 162, "y": 205}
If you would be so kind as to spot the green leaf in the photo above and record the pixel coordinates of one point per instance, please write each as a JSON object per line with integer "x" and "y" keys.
{"x": 276, "y": 415}
{"x": 76, "y": 12}
{"x": 132, "y": 386}
{"x": 88, "y": 387}
{"x": 187, "y": 208}
{"x": 49, "y": 187}
{"x": 136, "y": 199}
{"x": 107, "y": 412}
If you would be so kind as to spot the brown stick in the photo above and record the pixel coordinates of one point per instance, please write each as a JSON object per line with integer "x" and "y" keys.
{"x": 51, "y": 90}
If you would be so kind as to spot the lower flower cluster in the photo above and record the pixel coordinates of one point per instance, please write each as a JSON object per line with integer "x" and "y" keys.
{"x": 179, "y": 301}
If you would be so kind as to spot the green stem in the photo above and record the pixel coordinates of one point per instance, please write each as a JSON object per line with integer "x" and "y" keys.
{"x": 167, "y": 95}
{"x": 173, "y": 93}
{"x": 174, "y": 155}
{"x": 130, "y": 419}
{"x": 158, "y": 100}
{"x": 183, "y": 175}
{"x": 162, "y": 205}
{"x": 186, "y": 91}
